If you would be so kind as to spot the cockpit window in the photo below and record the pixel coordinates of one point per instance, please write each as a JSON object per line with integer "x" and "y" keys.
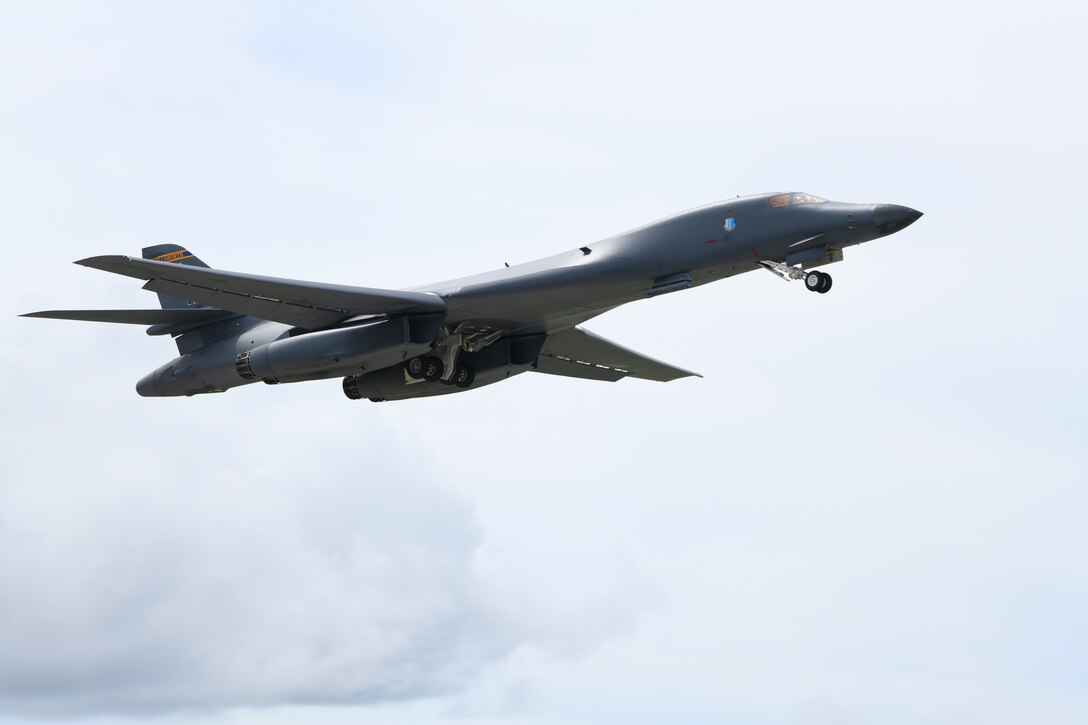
{"x": 788, "y": 199}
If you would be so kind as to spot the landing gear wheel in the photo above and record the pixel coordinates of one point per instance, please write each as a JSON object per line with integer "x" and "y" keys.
{"x": 826, "y": 286}
{"x": 814, "y": 281}
{"x": 415, "y": 368}
{"x": 432, "y": 368}
{"x": 463, "y": 375}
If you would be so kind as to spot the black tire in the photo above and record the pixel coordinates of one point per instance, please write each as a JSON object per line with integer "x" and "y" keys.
{"x": 432, "y": 368}
{"x": 464, "y": 376}
{"x": 415, "y": 368}
{"x": 826, "y": 286}
{"x": 814, "y": 281}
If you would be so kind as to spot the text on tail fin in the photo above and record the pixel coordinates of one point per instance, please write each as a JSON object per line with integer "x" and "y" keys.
{"x": 172, "y": 253}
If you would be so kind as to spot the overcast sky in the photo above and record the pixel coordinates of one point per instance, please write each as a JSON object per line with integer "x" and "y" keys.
{"x": 870, "y": 510}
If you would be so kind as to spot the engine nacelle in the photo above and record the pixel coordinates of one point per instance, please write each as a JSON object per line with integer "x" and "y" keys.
{"x": 369, "y": 346}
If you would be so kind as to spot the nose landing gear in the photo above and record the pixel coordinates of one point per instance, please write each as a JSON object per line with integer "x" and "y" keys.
{"x": 814, "y": 281}
{"x": 818, "y": 282}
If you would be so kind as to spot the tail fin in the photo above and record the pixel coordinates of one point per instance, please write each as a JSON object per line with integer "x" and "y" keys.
{"x": 173, "y": 254}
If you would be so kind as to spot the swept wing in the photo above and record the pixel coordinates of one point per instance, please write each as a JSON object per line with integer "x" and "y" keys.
{"x": 579, "y": 353}
{"x": 310, "y": 305}
{"x": 182, "y": 316}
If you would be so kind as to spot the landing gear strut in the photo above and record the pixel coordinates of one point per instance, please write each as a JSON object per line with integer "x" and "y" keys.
{"x": 814, "y": 281}
{"x": 451, "y": 362}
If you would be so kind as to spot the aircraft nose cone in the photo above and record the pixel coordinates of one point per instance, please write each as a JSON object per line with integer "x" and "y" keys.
{"x": 890, "y": 218}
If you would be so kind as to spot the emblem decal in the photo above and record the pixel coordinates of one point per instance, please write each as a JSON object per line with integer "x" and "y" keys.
{"x": 175, "y": 256}
{"x": 730, "y": 224}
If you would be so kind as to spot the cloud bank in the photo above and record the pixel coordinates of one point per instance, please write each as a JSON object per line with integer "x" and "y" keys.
{"x": 152, "y": 584}
{"x": 182, "y": 572}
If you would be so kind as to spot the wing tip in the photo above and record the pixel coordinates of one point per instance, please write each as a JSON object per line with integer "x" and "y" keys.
{"x": 100, "y": 261}
{"x": 684, "y": 374}
{"x": 48, "y": 315}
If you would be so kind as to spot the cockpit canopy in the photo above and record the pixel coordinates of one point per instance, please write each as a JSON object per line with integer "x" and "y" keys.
{"x": 780, "y": 200}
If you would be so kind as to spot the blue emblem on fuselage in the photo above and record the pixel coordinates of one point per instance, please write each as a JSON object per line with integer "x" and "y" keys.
{"x": 730, "y": 224}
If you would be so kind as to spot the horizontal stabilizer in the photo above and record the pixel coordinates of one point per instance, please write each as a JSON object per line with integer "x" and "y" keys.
{"x": 185, "y": 316}
{"x": 578, "y": 353}
{"x": 310, "y": 305}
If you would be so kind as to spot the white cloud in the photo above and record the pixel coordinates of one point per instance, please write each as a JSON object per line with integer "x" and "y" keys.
{"x": 178, "y": 568}
{"x": 172, "y": 573}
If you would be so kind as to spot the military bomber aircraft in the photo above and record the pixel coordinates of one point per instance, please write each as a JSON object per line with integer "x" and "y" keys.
{"x": 233, "y": 329}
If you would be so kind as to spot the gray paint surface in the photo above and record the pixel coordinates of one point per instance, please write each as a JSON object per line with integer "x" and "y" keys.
{"x": 477, "y": 328}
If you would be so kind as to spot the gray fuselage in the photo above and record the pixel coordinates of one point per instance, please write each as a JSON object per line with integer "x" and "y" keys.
{"x": 569, "y": 288}
{"x": 547, "y": 295}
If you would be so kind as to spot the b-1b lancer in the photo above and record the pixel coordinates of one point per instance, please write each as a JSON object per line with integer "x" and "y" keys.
{"x": 233, "y": 329}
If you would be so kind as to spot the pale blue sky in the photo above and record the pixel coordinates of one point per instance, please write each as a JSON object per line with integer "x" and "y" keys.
{"x": 551, "y": 550}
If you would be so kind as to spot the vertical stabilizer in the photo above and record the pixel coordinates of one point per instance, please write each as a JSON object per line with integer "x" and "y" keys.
{"x": 173, "y": 254}
{"x": 197, "y": 337}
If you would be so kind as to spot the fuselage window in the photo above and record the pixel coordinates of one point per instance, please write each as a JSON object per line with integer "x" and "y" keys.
{"x": 780, "y": 200}
{"x": 807, "y": 199}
